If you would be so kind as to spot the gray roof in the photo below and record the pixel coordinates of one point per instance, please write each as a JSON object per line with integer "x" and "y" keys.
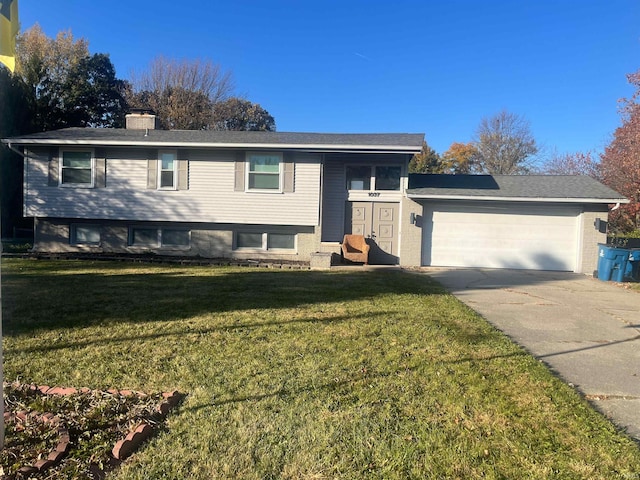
{"x": 329, "y": 142}
{"x": 547, "y": 188}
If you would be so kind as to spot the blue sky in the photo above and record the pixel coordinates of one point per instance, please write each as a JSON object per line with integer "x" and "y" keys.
{"x": 434, "y": 67}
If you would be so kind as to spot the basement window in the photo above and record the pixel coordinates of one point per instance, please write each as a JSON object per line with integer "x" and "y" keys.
{"x": 85, "y": 235}
{"x": 265, "y": 241}
{"x": 159, "y": 237}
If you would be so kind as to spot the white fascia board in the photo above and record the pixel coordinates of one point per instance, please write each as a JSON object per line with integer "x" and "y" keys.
{"x": 253, "y": 146}
{"x": 517, "y": 199}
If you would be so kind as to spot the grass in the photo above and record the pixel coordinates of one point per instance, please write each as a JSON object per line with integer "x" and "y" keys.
{"x": 300, "y": 374}
{"x": 95, "y": 420}
{"x": 16, "y": 246}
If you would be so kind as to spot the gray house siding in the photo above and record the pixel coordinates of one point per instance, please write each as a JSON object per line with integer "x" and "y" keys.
{"x": 211, "y": 196}
{"x": 333, "y": 200}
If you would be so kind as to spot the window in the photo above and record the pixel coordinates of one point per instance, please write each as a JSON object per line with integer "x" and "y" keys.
{"x": 381, "y": 177}
{"x": 387, "y": 178}
{"x": 143, "y": 237}
{"x": 159, "y": 237}
{"x": 76, "y": 168}
{"x": 85, "y": 234}
{"x": 281, "y": 240}
{"x": 168, "y": 169}
{"x": 358, "y": 178}
{"x": 167, "y": 164}
{"x": 265, "y": 241}
{"x": 175, "y": 238}
{"x": 264, "y": 171}
{"x": 249, "y": 240}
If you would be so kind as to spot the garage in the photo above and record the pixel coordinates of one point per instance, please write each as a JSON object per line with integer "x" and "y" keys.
{"x": 500, "y": 235}
{"x": 533, "y": 222}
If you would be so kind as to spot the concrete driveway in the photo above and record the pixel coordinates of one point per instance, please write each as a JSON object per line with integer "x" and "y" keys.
{"x": 586, "y": 330}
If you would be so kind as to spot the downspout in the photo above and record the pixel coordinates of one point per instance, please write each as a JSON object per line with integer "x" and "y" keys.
{"x": 616, "y": 207}
{"x": 15, "y": 150}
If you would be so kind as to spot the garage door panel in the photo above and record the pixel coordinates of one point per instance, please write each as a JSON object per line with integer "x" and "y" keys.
{"x": 540, "y": 259}
{"x": 511, "y": 237}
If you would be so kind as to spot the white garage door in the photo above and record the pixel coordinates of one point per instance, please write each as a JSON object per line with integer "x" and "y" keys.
{"x": 502, "y": 236}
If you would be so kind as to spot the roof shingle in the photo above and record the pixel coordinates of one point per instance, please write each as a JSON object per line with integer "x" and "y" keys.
{"x": 567, "y": 187}
{"x": 402, "y": 142}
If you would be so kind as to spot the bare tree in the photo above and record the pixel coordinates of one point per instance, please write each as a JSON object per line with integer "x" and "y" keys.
{"x": 181, "y": 92}
{"x": 504, "y": 145}
{"x": 572, "y": 164}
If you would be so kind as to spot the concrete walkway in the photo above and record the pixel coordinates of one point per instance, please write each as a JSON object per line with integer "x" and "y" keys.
{"x": 586, "y": 330}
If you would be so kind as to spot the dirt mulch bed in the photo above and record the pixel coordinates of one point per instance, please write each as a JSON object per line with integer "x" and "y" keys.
{"x": 57, "y": 432}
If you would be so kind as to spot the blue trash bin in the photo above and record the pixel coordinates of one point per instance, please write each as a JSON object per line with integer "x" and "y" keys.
{"x": 612, "y": 263}
{"x": 632, "y": 272}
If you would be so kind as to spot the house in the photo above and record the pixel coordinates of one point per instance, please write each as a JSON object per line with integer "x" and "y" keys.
{"x": 285, "y": 196}
{"x": 260, "y": 195}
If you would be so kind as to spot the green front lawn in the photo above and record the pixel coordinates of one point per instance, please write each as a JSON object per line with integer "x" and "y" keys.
{"x": 300, "y": 374}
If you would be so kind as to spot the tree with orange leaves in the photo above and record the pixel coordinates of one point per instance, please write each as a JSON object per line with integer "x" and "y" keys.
{"x": 620, "y": 162}
{"x": 459, "y": 158}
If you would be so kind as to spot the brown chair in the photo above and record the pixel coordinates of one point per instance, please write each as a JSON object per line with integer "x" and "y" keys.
{"x": 355, "y": 248}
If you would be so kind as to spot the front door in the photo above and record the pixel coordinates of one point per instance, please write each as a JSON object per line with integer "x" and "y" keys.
{"x": 378, "y": 222}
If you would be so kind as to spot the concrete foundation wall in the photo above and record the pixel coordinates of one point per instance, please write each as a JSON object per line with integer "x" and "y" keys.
{"x": 207, "y": 240}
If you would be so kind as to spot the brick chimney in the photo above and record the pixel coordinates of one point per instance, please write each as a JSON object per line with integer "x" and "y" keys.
{"x": 140, "y": 119}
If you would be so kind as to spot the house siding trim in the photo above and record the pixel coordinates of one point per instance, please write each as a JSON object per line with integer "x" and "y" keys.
{"x": 477, "y": 198}
{"x": 53, "y": 167}
{"x": 100, "y": 179}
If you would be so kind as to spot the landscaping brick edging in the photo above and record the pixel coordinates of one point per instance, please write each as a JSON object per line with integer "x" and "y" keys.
{"x": 59, "y": 451}
{"x": 121, "y": 450}
{"x": 128, "y": 445}
{"x": 167, "y": 259}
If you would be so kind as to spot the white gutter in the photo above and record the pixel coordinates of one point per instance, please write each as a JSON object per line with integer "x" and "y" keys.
{"x": 617, "y": 205}
{"x": 15, "y": 150}
{"x": 518, "y": 199}
{"x": 312, "y": 147}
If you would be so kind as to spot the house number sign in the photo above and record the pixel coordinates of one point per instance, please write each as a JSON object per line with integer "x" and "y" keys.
{"x": 374, "y": 194}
